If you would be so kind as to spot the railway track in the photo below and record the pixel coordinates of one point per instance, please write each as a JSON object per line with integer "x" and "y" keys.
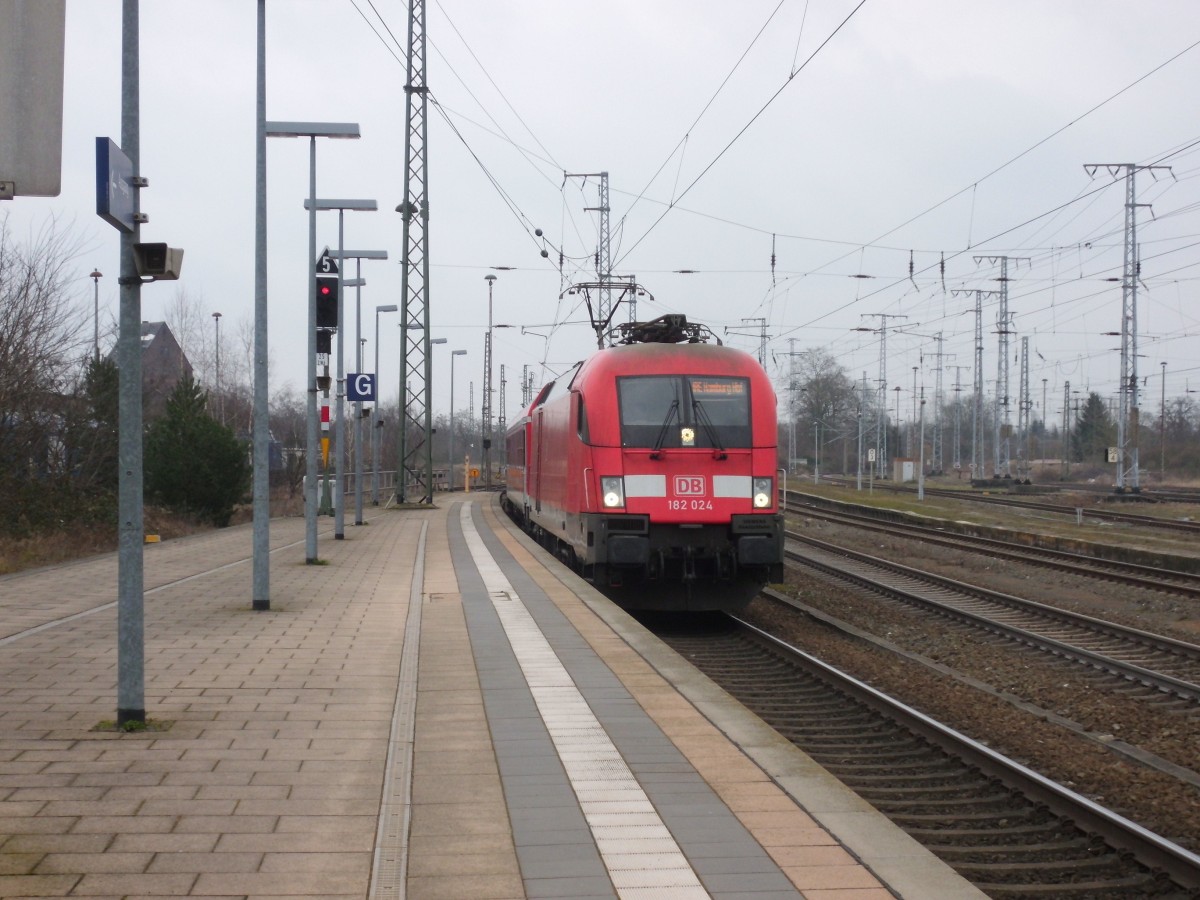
{"x": 1088, "y": 512}
{"x": 1163, "y": 670}
{"x": 1153, "y": 495}
{"x": 1186, "y": 584}
{"x": 1011, "y": 832}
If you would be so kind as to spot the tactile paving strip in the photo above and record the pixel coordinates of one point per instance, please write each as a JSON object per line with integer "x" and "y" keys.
{"x": 614, "y": 805}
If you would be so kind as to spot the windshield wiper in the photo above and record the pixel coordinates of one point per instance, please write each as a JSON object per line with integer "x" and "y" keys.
{"x": 662, "y": 432}
{"x": 709, "y": 429}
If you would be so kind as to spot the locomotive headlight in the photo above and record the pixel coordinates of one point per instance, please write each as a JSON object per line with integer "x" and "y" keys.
{"x": 612, "y": 489}
{"x": 763, "y": 489}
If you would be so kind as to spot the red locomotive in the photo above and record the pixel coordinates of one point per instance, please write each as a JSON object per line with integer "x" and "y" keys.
{"x": 650, "y": 467}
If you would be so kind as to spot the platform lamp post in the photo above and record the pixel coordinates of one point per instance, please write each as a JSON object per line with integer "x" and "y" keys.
{"x": 339, "y": 465}
{"x": 217, "y": 364}
{"x": 921, "y": 467}
{"x": 487, "y": 391}
{"x": 96, "y": 276}
{"x": 433, "y": 341}
{"x": 312, "y": 131}
{"x": 450, "y": 470}
{"x": 859, "y": 423}
{"x": 897, "y": 390}
{"x": 358, "y": 256}
{"x": 1162, "y": 429}
{"x": 378, "y": 425}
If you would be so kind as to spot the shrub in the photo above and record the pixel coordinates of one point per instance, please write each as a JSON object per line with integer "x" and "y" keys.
{"x": 193, "y": 464}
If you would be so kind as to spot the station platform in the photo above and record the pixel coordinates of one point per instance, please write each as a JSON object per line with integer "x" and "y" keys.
{"x": 437, "y": 710}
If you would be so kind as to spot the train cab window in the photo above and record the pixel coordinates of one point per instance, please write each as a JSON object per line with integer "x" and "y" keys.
{"x": 722, "y": 409}
{"x": 665, "y": 411}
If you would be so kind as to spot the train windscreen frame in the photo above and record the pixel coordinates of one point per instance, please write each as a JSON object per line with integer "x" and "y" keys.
{"x": 678, "y": 411}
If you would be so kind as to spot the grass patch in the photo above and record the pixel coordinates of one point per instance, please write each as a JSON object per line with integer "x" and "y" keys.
{"x": 34, "y": 551}
{"x": 78, "y": 540}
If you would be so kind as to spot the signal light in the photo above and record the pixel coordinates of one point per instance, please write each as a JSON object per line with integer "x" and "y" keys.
{"x": 327, "y": 301}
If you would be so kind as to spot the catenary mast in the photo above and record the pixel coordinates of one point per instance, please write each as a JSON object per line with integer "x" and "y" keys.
{"x": 414, "y": 473}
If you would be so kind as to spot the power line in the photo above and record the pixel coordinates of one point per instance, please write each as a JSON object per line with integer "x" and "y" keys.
{"x": 744, "y": 129}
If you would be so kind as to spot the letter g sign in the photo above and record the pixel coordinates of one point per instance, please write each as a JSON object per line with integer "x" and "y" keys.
{"x": 360, "y": 387}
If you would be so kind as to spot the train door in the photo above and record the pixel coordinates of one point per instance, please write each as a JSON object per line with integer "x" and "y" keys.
{"x": 538, "y": 462}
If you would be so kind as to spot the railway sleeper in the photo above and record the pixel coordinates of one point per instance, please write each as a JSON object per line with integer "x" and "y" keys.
{"x": 869, "y": 746}
{"x": 1055, "y": 848}
{"x": 869, "y": 774}
{"x": 1030, "y": 832}
{"x": 843, "y": 732}
{"x": 1077, "y": 870}
{"x": 998, "y": 819}
{"x": 920, "y": 803}
{"x": 1114, "y": 889}
{"x": 1082, "y": 860}
{"x": 943, "y": 792}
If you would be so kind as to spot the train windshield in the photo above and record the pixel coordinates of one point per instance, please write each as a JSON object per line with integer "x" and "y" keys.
{"x": 660, "y": 411}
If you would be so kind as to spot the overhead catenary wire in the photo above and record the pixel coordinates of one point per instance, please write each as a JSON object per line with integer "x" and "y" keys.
{"x": 920, "y": 273}
{"x": 770, "y": 100}
{"x": 855, "y": 244}
{"x": 682, "y": 143}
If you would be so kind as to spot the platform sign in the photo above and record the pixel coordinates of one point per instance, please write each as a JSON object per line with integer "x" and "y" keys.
{"x": 360, "y": 387}
{"x": 326, "y": 264}
{"x": 32, "y": 39}
{"x": 114, "y": 186}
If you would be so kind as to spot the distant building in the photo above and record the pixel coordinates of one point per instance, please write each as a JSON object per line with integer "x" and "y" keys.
{"x": 164, "y": 365}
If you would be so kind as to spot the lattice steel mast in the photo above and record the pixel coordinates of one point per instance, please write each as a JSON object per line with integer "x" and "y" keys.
{"x": 977, "y": 399}
{"x": 604, "y": 307}
{"x": 1002, "y": 418}
{"x": 938, "y": 464}
{"x": 958, "y": 415}
{"x": 881, "y": 422}
{"x": 1127, "y": 417}
{"x": 1023, "y": 409}
{"x": 414, "y": 471}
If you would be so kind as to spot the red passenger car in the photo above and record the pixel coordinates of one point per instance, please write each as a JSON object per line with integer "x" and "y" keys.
{"x": 651, "y": 468}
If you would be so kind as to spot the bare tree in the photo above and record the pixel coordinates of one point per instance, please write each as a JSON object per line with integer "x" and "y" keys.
{"x": 190, "y": 321}
{"x": 825, "y": 401}
{"x": 42, "y": 346}
{"x": 288, "y": 419}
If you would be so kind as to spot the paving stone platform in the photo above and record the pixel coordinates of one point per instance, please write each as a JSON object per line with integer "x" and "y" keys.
{"x": 438, "y": 711}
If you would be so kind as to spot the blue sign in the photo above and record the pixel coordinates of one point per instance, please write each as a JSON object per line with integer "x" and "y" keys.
{"x": 114, "y": 186}
{"x": 360, "y": 387}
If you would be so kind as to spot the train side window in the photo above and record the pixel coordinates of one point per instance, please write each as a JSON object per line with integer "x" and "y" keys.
{"x": 573, "y": 374}
{"x": 560, "y": 385}
{"x": 581, "y": 422}
{"x": 543, "y": 394}
{"x": 516, "y": 448}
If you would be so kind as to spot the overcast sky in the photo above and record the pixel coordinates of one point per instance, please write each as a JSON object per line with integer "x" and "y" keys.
{"x": 852, "y": 138}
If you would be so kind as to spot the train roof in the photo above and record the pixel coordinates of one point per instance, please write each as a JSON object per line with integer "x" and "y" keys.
{"x": 674, "y": 346}
{"x": 667, "y": 359}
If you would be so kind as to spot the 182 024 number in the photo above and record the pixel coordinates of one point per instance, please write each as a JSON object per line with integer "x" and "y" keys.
{"x": 689, "y": 505}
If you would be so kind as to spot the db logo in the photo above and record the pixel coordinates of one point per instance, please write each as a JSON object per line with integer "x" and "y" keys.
{"x": 689, "y": 486}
